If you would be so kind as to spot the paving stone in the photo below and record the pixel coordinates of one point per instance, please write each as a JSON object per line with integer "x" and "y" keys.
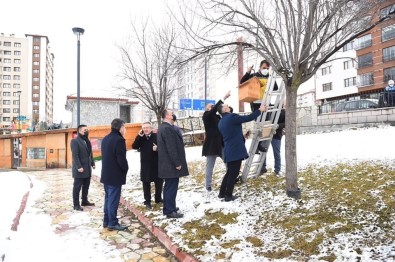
{"x": 136, "y": 244}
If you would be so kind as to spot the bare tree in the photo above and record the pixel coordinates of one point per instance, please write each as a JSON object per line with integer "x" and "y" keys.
{"x": 150, "y": 62}
{"x": 295, "y": 36}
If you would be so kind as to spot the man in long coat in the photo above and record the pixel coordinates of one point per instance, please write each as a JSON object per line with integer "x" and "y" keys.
{"x": 113, "y": 174}
{"x": 172, "y": 163}
{"x": 213, "y": 144}
{"x": 146, "y": 142}
{"x": 235, "y": 151}
{"x": 81, "y": 151}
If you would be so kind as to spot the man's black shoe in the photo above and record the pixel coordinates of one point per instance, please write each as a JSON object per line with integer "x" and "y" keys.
{"x": 220, "y": 195}
{"x": 209, "y": 189}
{"x": 117, "y": 227}
{"x": 230, "y": 198}
{"x": 78, "y": 208}
{"x": 105, "y": 225}
{"x": 159, "y": 201}
{"x": 87, "y": 203}
{"x": 148, "y": 206}
{"x": 263, "y": 171}
{"x": 174, "y": 215}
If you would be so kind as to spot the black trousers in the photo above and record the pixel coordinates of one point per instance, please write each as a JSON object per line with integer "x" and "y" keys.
{"x": 229, "y": 180}
{"x": 78, "y": 184}
{"x": 158, "y": 190}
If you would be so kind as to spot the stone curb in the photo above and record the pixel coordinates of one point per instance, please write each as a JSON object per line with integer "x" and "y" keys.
{"x": 156, "y": 231}
{"x": 15, "y": 222}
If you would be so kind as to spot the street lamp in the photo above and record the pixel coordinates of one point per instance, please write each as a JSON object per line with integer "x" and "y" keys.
{"x": 78, "y": 31}
{"x": 19, "y": 111}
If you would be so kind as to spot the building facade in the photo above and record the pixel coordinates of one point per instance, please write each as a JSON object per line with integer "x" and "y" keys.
{"x": 26, "y": 82}
{"x": 97, "y": 111}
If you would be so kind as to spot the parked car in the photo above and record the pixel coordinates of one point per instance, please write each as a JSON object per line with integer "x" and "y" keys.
{"x": 355, "y": 105}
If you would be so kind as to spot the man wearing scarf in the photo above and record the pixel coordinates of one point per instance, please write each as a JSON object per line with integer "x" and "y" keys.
{"x": 83, "y": 163}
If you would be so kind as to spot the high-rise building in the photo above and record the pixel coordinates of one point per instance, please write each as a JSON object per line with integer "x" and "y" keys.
{"x": 26, "y": 82}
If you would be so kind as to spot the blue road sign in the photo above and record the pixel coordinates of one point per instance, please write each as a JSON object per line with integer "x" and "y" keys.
{"x": 185, "y": 104}
{"x": 199, "y": 104}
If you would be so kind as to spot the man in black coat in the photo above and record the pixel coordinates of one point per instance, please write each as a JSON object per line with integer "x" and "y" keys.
{"x": 213, "y": 144}
{"x": 172, "y": 163}
{"x": 146, "y": 142}
{"x": 81, "y": 150}
{"x": 113, "y": 173}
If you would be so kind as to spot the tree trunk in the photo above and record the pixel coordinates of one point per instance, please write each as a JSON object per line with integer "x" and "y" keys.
{"x": 159, "y": 118}
{"x": 291, "y": 180}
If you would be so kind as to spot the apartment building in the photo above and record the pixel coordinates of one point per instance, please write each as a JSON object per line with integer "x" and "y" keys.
{"x": 26, "y": 82}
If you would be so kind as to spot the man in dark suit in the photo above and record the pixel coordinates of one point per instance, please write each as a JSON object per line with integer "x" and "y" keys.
{"x": 146, "y": 142}
{"x": 81, "y": 150}
{"x": 172, "y": 163}
{"x": 213, "y": 144}
{"x": 113, "y": 173}
{"x": 235, "y": 151}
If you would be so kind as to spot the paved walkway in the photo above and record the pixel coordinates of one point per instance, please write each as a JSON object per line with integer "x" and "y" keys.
{"x": 136, "y": 244}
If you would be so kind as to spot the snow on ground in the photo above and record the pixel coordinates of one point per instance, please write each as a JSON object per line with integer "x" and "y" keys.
{"x": 324, "y": 148}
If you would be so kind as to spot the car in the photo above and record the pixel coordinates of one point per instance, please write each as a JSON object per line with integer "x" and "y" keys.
{"x": 355, "y": 105}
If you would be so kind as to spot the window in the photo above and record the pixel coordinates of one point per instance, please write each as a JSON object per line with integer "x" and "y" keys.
{"x": 7, "y": 69}
{"x": 17, "y": 77}
{"x": 36, "y": 87}
{"x": 6, "y": 77}
{"x": 35, "y": 153}
{"x": 6, "y": 85}
{"x": 388, "y": 33}
{"x": 36, "y": 103}
{"x": 327, "y": 87}
{"x": 15, "y": 102}
{"x": 388, "y": 53}
{"x": 35, "y": 111}
{"x": 386, "y": 11}
{"x": 6, "y": 93}
{"x": 36, "y": 95}
{"x": 366, "y": 79}
{"x": 6, "y": 119}
{"x": 352, "y": 81}
{"x": 349, "y": 46}
{"x": 36, "y": 47}
{"x": 389, "y": 73}
{"x": 17, "y": 52}
{"x": 6, "y": 110}
{"x": 36, "y": 63}
{"x": 7, "y": 43}
{"x": 36, "y": 79}
{"x": 326, "y": 70}
{"x": 7, "y": 52}
{"x": 16, "y": 85}
{"x": 6, "y": 102}
{"x": 348, "y": 64}
{"x": 36, "y": 40}
{"x": 17, "y": 69}
{"x": 15, "y": 110}
{"x": 363, "y": 41}
{"x": 15, "y": 94}
{"x": 36, "y": 71}
{"x": 7, "y": 60}
{"x": 365, "y": 60}
{"x": 17, "y": 61}
{"x": 36, "y": 55}
{"x": 16, "y": 44}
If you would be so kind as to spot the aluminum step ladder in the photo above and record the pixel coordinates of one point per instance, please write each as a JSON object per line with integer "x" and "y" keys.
{"x": 265, "y": 126}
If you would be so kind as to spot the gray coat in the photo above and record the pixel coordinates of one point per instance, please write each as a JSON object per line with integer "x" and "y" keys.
{"x": 171, "y": 153}
{"x": 81, "y": 158}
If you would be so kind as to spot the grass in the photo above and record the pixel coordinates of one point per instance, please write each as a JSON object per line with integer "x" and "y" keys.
{"x": 336, "y": 200}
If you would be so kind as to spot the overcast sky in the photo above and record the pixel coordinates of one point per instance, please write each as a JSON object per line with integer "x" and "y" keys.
{"x": 105, "y": 22}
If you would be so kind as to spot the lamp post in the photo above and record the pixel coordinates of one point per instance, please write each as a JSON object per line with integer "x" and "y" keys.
{"x": 19, "y": 111}
{"x": 78, "y": 31}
